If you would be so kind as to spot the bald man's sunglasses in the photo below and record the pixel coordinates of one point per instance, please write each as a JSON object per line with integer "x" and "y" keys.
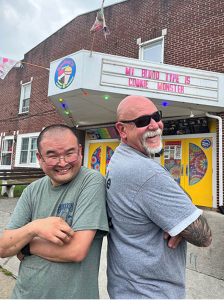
{"x": 145, "y": 120}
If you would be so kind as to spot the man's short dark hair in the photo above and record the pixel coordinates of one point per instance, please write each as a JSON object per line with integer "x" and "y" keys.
{"x": 56, "y": 127}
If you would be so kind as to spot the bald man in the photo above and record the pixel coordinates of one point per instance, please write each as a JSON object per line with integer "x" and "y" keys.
{"x": 143, "y": 203}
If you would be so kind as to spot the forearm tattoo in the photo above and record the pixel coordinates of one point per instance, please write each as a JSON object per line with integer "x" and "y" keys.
{"x": 198, "y": 233}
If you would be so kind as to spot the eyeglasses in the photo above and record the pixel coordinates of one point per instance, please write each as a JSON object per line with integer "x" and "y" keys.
{"x": 145, "y": 120}
{"x": 54, "y": 160}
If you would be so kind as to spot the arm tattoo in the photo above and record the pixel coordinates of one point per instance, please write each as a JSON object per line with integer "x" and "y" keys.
{"x": 198, "y": 233}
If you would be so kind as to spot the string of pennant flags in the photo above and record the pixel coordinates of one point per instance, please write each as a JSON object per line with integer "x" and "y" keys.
{"x": 6, "y": 64}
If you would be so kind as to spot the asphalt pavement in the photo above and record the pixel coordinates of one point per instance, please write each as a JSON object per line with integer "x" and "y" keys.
{"x": 205, "y": 266}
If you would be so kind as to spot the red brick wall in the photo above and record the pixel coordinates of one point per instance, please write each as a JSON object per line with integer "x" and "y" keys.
{"x": 194, "y": 38}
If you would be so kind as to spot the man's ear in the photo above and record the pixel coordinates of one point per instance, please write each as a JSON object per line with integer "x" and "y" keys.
{"x": 38, "y": 156}
{"x": 80, "y": 150}
{"x": 121, "y": 129}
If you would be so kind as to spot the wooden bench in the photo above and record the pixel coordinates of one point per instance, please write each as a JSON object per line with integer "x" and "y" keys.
{"x": 20, "y": 176}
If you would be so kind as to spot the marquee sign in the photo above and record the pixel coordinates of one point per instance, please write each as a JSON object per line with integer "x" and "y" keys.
{"x": 160, "y": 79}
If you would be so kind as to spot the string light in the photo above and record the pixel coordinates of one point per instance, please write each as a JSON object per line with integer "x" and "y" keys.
{"x": 85, "y": 94}
{"x": 106, "y": 97}
{"x": 67, "y": 112}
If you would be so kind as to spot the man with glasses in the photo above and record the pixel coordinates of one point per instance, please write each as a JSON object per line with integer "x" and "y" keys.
{"x": 58, "y": 224}
{"x": 145, "y": 206}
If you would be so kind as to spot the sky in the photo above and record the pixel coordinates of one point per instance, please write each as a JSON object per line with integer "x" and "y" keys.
{"x": 26, "y": 23}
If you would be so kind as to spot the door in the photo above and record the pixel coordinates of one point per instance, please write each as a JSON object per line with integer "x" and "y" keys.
{"x": 189, "y": 161}
{"x": 100, "y": 155}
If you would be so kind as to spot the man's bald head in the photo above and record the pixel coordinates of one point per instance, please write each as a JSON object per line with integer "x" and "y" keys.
{"x": 131, "y": 106}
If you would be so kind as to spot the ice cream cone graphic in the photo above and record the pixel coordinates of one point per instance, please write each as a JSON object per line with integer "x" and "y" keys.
{"x": 64, "y": 73}
{"x": 68, "y": 72}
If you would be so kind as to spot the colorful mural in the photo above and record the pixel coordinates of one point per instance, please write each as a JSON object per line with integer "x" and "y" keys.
{"x": 109, "y": 153}
{"x": 102, "y": 133}
{"x": 95, "y": 159}
{"x": 198, "y": 164}
{"x": 174, "y": 167}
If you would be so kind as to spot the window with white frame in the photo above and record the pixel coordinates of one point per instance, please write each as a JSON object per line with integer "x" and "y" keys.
{"x": 28, "y": 150}
{"x": 152, "y": 50}
{"x": 25, "y": 97}
{"x": 6, "y": 151}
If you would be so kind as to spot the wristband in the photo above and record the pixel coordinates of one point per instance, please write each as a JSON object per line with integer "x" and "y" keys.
{"x": 26, "y": 250}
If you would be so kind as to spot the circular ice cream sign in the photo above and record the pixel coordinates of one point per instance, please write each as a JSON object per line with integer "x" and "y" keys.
{"x": 65, "y": 73}
{"x": 206, "y": 143}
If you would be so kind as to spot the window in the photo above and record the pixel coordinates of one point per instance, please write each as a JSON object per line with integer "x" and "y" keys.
{"x": 6, "y": 152}
{"x": 25, "y": 97}
{"x": 28, "y": 150}
{"x": 152, "y": 50}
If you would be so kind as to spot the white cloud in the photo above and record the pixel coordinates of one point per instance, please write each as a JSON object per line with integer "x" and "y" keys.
{"x": 26, "y": 23}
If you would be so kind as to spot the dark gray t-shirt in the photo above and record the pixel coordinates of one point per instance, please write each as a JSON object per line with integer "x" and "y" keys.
{"x": 81, "y": 203}
{"x": 143, "y": 202}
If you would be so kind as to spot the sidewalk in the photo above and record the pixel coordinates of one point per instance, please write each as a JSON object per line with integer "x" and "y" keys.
{"x": 205, "y": 266}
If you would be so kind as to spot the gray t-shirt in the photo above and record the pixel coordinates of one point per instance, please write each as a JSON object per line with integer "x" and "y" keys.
{"x": 143, "y": 202}
{"x": 81, "y": 203}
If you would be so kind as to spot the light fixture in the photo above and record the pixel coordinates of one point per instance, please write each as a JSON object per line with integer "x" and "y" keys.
{"x": 191, "y": 114}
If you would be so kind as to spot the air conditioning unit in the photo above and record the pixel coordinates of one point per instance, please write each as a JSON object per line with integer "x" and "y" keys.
{"x": 25, "y": 109}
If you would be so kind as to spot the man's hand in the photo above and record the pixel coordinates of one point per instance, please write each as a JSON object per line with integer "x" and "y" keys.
{"x": 20, "y": 256}
{"x": 53, "y": 229}
{"x": 173, "y": 241}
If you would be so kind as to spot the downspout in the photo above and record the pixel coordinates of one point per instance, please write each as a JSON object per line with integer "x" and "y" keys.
{"x": 220, "y": 162}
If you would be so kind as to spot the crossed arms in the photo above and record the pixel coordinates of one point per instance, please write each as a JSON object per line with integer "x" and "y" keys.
{"x": 50, "y": 238}
{"x": 53, "y": 239}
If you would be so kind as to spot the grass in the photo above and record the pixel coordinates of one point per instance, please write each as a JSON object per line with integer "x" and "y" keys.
{"x": 6, "y": 272}
{"x": 17, "y": 191}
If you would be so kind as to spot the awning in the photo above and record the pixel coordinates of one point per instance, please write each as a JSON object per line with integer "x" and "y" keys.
{"x": 86, "y": 90}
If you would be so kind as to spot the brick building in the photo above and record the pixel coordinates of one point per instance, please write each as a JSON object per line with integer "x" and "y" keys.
{"x": 178, "y": 37}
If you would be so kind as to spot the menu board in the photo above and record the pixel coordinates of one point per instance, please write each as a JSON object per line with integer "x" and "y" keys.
{"x": 173, "y": 150}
